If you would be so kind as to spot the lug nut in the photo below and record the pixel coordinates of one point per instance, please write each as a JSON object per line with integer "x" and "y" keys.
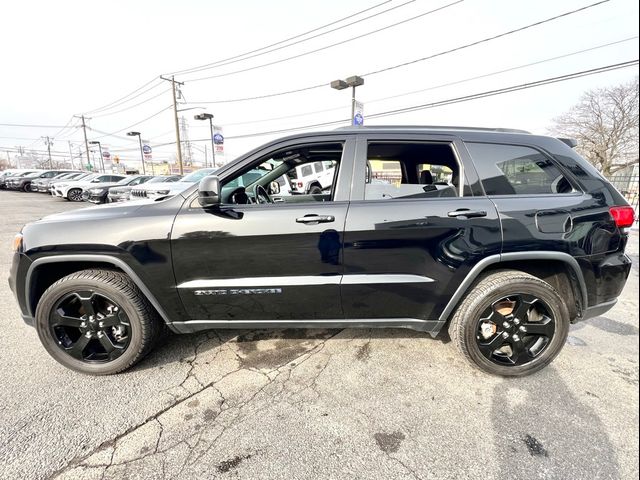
{"x": 505, "y": 335}
{"x": 523, "y": 329}
{"x": 506, "y": 324}
{"x": 83, "y": 324}
{"x": 101, "y": 324}
{"x": 516, "y": 321}
{"x": 516, "y": 338}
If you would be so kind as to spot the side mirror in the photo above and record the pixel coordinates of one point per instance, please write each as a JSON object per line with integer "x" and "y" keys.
{"x": 274, "y": 188}
{"x": 209, "y": 191}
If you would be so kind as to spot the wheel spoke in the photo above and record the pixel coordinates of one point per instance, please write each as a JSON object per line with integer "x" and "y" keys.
{"x": 518, "y": 350}
{"x": 545, "y": 327}
{"x": 106, "y": 342}
{"x": 60, "y": 320}
{"x": 76, "y": 350}
{"x": 111, "y": 320}
{"x": 525, "y": 302}
{"x": 87, "y": 303}
{"x": 496, "y": 342}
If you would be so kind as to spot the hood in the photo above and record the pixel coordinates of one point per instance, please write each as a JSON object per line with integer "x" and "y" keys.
{"x": 100, "y": 185}
{"x": 122, "y": 189}
{"x": 109, "y": 210}
{"x": 171, "y": 186}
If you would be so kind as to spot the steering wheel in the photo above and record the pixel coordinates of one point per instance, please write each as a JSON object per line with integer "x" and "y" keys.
{"x": 261, "y": 195}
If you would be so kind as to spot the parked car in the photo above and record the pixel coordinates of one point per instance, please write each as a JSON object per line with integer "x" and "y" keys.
{"x": 312, "y": 178}
{"x": 72, "y": 191}
{"x": 41, "y": 185}
{"x": 98, "y": 193}
{"x": 8, "y": 174}
{"x": 23, "y": 182}
{"x": 123, "y": 193}
{"x": 517, "y": 238}
{"x": 164, "y": 189}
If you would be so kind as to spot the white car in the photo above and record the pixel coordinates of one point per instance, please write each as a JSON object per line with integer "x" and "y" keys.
{"x": 72, "y": 191}
{"x": 165, "y": 189}
{"x": 313, "y": 178}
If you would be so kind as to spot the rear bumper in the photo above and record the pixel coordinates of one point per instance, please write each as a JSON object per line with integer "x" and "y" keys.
{"x": 597, "y": 310}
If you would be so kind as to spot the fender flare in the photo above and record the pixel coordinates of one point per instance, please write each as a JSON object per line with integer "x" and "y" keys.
{"x": 479, "y": 267}
{"x": 92, "y": 258}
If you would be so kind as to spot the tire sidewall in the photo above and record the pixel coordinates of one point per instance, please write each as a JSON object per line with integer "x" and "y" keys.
{"x": 553, "y": 302}
{"x": 57, "y": 292}
{"x": 69, "y": 197}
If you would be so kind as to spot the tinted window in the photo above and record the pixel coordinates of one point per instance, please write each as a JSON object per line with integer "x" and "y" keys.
{"x": 318, "y": 167}
{"x": 516, "y": 170}
{"x": 305, "y": 171}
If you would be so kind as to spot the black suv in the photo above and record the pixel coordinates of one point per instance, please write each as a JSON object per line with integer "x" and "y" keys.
{"x": 502, "y": 237}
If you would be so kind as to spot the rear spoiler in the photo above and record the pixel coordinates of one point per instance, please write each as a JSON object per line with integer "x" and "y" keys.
{"x": 571, "y": 142}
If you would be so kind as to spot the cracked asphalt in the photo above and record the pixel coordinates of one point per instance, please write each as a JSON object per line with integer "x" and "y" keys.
{"x": 301, "y": 404}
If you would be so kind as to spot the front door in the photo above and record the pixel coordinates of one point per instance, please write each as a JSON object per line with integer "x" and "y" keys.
{"x": 417, "y": 224}
{"x": 263, "y": 253}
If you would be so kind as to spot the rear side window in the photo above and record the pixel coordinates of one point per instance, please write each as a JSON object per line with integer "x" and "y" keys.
{"x": 517, "y": 170}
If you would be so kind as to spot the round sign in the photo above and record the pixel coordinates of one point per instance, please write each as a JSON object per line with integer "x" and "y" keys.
{"x": 218, "y": 139}
{"x": 357, "y": 119}
{"x": 146, "y": 149}
{"x": 106, "y": 154}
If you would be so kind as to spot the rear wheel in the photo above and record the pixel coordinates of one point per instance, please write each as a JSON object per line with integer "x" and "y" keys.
{"x": 26, "y": 187}
{"x": 75, "y": 195}
{"x": 96, "y": 322}
{"x": 315, "y": 190}
{"x": 510, "y": 323}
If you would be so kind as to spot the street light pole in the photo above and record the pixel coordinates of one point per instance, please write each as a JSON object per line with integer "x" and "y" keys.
{"x": 208, "y": 116}
{"x": 139, "y": 135}
{"x": 95, "y": 142}
{"x": 353, "y": 82}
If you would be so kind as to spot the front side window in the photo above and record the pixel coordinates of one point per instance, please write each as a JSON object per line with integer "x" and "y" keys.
{"x": 397, "y": 170}
{"x": 517, "y": 170}
{"x": 293, "y": 175}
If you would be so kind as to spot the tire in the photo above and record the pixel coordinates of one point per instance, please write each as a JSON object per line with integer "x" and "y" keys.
{"x": 487, "y": 305}
{"x": 143, "y": 325}
{"x": 74, "y": 195}
{"x": 26, "y": 187}
{"x": 315, "y": 190}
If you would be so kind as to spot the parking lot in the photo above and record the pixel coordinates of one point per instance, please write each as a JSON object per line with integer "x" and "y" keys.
{"x": 315, "y": 403}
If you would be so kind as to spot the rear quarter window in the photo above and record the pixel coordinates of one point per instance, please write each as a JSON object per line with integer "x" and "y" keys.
{"x": 517, "y": 170}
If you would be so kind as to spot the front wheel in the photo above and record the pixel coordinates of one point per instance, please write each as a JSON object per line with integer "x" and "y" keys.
{"x": 96, "y": 322}
{"x": 510, "y": 323}
{"x": 75, "y": 195}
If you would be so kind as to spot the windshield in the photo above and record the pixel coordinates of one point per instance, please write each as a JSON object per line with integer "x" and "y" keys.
{"x": 198, "y": 175}
{"x": 126, "y": 180}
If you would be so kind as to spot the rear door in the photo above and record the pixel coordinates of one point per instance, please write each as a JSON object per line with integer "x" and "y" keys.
{"x": 416, "y": 225}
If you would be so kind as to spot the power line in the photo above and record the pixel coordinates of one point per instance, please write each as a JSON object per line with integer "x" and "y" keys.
{"x": 132, "y": 106}
{"x": 450, "y": 101}
{"x": 197, "y": 68}
{"x": 24, "y": 125}
{"x": 137, "y": 123}
{"x": 326, "y": 47}
{"x": 439, "y": 54}
{"x": 107, "y": 106}
{"x": 232, "y": 60}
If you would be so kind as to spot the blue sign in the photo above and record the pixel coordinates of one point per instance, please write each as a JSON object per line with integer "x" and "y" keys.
{"x": 358, "y": 119}
{"x": 218, "y": 139}
{"x": 146, "y": 149}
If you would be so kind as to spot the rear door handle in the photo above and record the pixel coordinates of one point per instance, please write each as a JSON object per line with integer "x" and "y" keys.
{"x": 315, "y": 219}
{"x": 465, "y": 212}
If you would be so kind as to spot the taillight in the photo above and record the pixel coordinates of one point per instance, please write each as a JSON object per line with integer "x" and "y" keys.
{"x": 300, "y": 184}
{"x": 623, "y": 216}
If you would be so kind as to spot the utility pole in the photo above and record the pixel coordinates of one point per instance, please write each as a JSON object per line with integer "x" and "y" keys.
{"x": 86, "y": 143}
{"x": 49, "y": 142}
{"x": 175, "y": 116}
{"x": 71, "y": 155}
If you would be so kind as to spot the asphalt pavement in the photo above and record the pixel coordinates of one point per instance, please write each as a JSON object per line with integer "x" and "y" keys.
{"x": 327, "y": 404}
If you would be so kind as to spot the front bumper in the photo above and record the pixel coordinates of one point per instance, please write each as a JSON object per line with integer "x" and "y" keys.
{"x": 94, "y": 198}
{"x": 17, "y": 274}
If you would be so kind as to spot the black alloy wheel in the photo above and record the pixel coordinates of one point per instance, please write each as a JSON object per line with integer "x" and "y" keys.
{"x": 75, "y": 195}
{"x": 97, "y": 322}
{"x": 90, "y": 327}
{"x": 515, "y": 329}
{"x": 510, "y": 323}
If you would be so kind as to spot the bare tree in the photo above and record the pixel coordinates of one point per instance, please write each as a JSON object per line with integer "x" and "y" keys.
{"x": 605, "y": 124}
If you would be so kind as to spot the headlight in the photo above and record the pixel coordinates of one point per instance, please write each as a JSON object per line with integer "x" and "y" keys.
{"x": 162, "y": 192}
{"x": 97, "y": 191}
{"x": 60, "y": 185}
{"x": 17, "y": 243}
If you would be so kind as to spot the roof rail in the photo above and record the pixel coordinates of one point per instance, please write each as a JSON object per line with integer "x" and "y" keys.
{"x": 434, "y": 127}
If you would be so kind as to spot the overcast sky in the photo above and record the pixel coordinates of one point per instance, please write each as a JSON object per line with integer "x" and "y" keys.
{"x": 71, "y": 57}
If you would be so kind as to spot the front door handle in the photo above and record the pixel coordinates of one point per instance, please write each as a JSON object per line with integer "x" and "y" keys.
{"x": 315, "y": 219}
{"x": 465, "y": 212}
